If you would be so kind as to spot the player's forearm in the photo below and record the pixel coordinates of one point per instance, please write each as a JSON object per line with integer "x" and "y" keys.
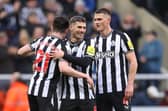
{"x": 72, "y": 72}
{"x": 81, "y": 61}
{"x": 24, "y": 50}
{"x": 132, "y": 71}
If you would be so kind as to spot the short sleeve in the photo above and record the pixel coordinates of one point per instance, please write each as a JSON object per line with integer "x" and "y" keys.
{"x": 35, "y": 43}
{"x": 126, "y": 43}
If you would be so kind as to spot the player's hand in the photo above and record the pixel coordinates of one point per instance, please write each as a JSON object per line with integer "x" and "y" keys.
{"x": 129, "y": 91}
{"x": 90, "y": 81}
{"x": 56, "y": 53}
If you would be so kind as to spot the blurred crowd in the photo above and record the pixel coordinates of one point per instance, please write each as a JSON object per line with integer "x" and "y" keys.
{"x": 156, "y": 7}
{"x": 21, "y": 21}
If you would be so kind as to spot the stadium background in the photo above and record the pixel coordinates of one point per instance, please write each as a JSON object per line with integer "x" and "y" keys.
{"x": 22, "y": 21}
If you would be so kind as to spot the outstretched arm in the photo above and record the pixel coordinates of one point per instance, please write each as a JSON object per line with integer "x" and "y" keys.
{"x": 25, "y": 50}
{"x": 81, "y": 61}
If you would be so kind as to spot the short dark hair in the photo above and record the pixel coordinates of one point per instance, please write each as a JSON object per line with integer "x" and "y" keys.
{"x": 103, "y": 10}
{"x": 60, "y": 24}
{"x": 77, "y": 19}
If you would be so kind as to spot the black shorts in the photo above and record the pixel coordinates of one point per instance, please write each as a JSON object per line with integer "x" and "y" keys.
{"x": 77, "y": 105}
{"x": 106, "y": 102}
{"x": 40, "y": 104}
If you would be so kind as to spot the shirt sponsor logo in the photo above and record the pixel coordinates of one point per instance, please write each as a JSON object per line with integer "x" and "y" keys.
{"x": 107, "y": 54}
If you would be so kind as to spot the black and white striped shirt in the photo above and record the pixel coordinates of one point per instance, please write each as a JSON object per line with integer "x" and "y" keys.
{"x": 111, "y": 63}
{"x": 77, "y": 88}
{"x": 46, "y": 74}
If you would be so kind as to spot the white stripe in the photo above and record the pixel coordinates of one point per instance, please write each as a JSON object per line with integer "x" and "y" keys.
{"x": 79, "y": 51}
{"x": 125, "y": 72}
{"x": 72, "y": 90}
{"x": 93, "y": 42}
{"x": 81, "y": 88}
{"x": 117, "y": 63}
{"x": 65, "y": 88}
{"x": 46, "y": 88}
{"x": 80, "y": 80}
{"x": 100, "y": 75}
{"x": 123, "y": 46}
{"x": 108, "y": 66}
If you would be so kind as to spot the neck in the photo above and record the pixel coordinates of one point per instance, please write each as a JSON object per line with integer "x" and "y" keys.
{"x": 58, "y": 34}
{"x": 106, "y": 31}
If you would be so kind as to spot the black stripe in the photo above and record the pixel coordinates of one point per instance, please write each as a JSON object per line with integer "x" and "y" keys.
{"x": 68, "y": 88}
{"x": 97, "y": 62}
{"x": 104, "y": 72}
{"x": 35, "y": 80}
{"x": 76, "y": 87}
{"x": 52, "y": 88}
{"x": 113, "y": 69}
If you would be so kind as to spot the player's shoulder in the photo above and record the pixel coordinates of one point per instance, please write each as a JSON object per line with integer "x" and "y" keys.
{"x": 122, "y": 35}
{"x": 119, "y": 32}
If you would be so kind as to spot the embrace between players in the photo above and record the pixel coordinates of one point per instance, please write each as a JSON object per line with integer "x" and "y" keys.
{"x": 70, "y": 62}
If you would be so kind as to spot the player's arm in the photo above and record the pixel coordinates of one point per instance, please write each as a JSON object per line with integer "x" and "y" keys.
{"x": 81, "y": 61}
{"x": 29, "y": 49}
{"x": 132, "y": 73}
{"x": 128, "y": 49}
{"x": 24, "y": 50}
{"x": 67, "y": 70}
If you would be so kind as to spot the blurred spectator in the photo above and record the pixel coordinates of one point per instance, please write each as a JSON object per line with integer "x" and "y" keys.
{"x": 151, "y": 55}
{"x": 157, "y": 7}
{"x": 133, "y": 29}
{"x": 6, "y": 64}
{"x": 50, "y": 18}
{"x": 115, "y": 19}
{"x": 164, "y": 101}
{"x": 91, "y": 5}
{"x": 38, "y": 32}
{"x": 16, "y": 97}
{"x": 53, "y": 6}
{"x": 8, "y": 19}
{"x": 80, "y": 9}
{"x": 31, "y": 7}
{"x": 32, "y": 22}
{"x": 23, "y": 60}
{"x": 8, "y": 14}
{"x": 68, "y": 6}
